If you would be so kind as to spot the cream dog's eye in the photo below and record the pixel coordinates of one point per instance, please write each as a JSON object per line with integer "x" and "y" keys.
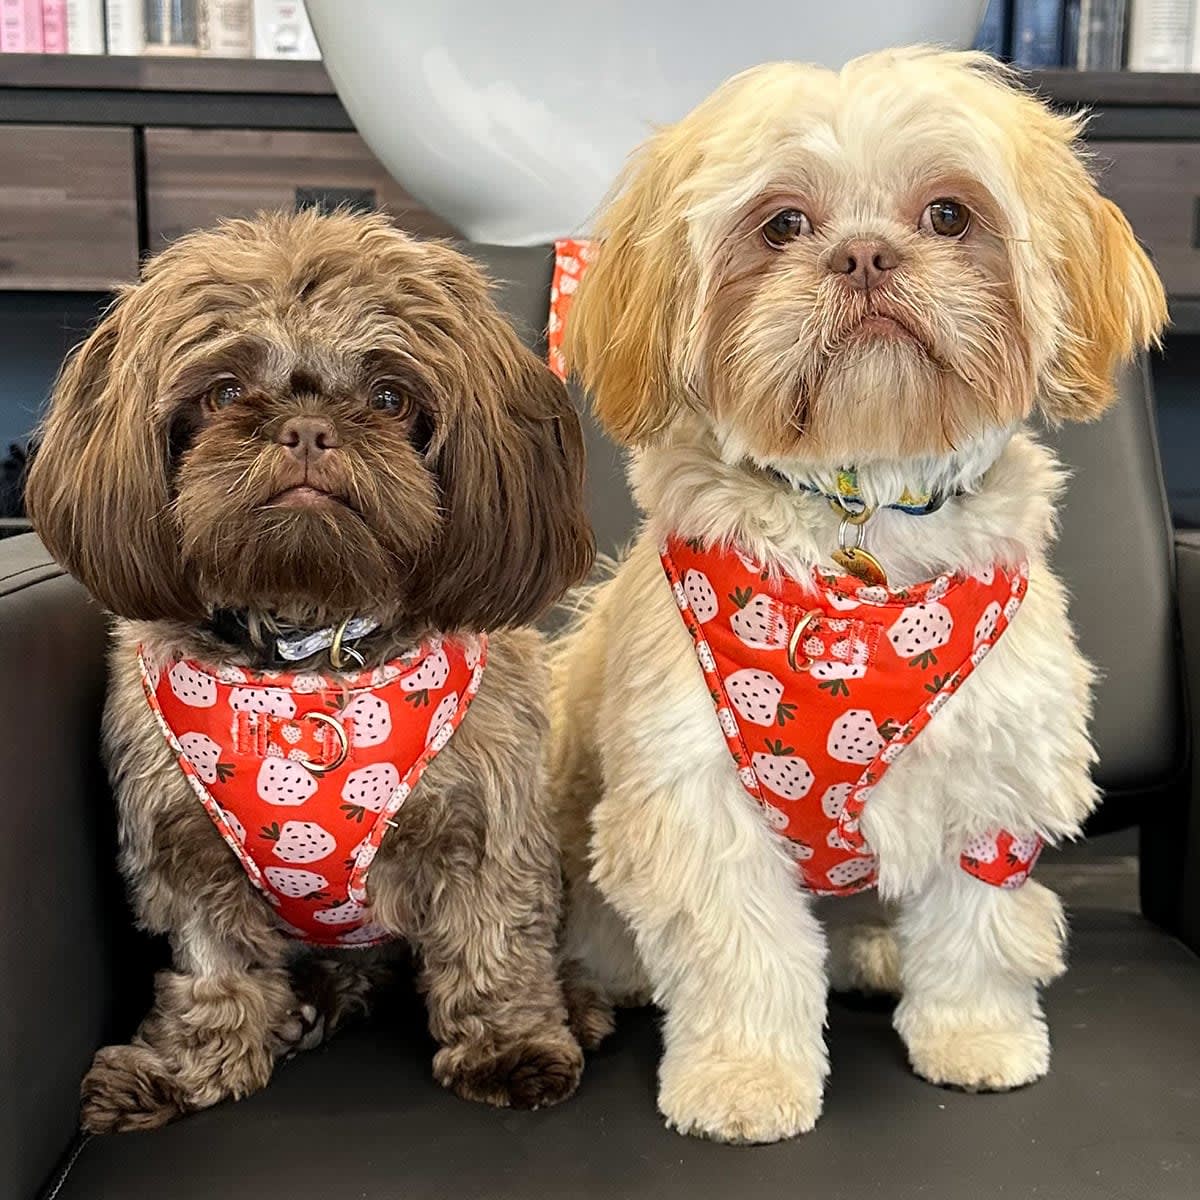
{"x": 946, "y": 218}
{"x": 223, "y": 394}
{"x": 388, "y": 398}
{"x": 786, "y": 226}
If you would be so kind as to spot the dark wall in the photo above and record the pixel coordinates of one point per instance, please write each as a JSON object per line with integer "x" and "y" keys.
{"x": 36, "y": 331}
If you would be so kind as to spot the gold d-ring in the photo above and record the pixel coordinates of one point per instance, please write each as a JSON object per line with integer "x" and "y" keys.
{"x": 337, "y": 651}
{"x": 339, "y": 734}
{"x": 861, "y": 517}
{"x": 794, "y": 641}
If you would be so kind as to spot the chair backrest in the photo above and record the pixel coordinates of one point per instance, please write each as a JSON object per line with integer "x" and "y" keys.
{"x": 1116, "y": 552}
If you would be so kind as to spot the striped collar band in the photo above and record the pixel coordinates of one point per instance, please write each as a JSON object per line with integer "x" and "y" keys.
{"x": 848, "y": 497}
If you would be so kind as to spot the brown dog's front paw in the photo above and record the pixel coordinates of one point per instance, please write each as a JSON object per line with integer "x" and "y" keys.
{"x": 534, "y": 1072}
{"x": 589, "y": 1014}
{"x": 127, "y": 1088}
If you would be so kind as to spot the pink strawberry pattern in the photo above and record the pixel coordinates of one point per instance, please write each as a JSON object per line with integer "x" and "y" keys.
{"x": 811, "y": 737}
{"x": 306, "y": 839}
{"x": 701, "y": 598}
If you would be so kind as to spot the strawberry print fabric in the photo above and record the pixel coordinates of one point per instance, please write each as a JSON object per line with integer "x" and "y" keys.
{"x": 571, "y": 257}
{"x": 245, "y": 740}
{"x": 872, "y": 667}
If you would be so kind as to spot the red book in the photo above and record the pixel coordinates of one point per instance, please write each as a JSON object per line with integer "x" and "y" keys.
{"x": 21, "y": 26}
{"x": 54, "y": 26}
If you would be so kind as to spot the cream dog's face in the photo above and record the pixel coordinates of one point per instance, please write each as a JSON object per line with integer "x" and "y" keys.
{"x": 871, "y": 264}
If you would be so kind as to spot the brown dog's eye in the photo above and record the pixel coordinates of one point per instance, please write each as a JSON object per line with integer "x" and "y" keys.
{"x": 946, "y": 218}
{"x": 386, "y": 397}
{"x": 223, "y": 394}
{"x": 786, "y": 226}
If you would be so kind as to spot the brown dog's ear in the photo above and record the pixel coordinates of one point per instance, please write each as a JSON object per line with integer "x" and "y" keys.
{"x": 626, "y": 322}
{"x": 510, "y": 461}
{"x": 1115, "y": 304}
{"x": 98, "y": 491}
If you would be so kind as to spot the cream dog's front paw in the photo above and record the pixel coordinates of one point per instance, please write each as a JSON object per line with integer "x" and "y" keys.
{"x": 864, "y": 958}
{"x": 737, "y": 1100}
{"x": 979, "y": 1058}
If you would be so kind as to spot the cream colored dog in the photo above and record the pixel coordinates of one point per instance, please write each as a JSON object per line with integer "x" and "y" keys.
{"x": 887, "y": 268}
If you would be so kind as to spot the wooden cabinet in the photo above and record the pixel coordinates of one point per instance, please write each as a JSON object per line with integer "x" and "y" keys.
{"x": 68, "y": 207}
{"x": 194, "y": 177}
{"x": 1157, "y": 184}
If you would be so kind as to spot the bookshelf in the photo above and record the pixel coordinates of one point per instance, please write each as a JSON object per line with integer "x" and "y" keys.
{"x": 198, "y": 138}
{"x": 94, "y": 88}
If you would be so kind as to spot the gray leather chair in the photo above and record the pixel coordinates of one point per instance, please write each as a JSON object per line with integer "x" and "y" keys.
{"x": 1119, "y": 1117}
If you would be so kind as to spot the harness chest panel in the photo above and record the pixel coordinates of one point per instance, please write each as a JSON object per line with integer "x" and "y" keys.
{"x": 820, "y": 685}
{"x": 301, "y": 773}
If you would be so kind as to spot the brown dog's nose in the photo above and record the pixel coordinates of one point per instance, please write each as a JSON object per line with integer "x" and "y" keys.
{"x": 865, "y": 262}
{"x": 307, "y": 437}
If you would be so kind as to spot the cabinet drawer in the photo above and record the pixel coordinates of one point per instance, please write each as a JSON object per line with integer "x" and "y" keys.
{"x": 1158, "y": 186}
{"x": 194, "y": 177}
{"x": 68, "y": 214}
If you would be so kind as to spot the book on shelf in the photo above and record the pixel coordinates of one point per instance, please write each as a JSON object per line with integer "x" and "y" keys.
{"x": 281, "y": 30}
{"x": 125, "y": 26}
{"x": 1101, "y": 35}
{"x": 1037, "y": 33}
{"x": 21, "y": 27}
{"x": 171, "y": 27}
{"x": 85, "y": 26}
{"x": 54, "y": 26}
{"x": 994, "y": 30}
{"x": 1070, "y": 33}
{"x": 1160, "y": 35}
{"x": 226, "y": 28}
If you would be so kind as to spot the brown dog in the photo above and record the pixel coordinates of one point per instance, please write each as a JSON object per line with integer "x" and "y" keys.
{"x": 288, "y": 423}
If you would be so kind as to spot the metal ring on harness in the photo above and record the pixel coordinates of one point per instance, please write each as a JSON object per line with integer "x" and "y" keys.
{"x": 794, "y": 641}
{"x": 341, "y": 740}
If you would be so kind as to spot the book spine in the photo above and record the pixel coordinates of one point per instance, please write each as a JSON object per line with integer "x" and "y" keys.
{"x": 993, "y": 32}
{"x": 12, "y": 26}
{"x": 1160, "y": 35}
{"x": 1102, "y": 35}
{"x": 1037, "y": 33}
{"x": 34, "y": 41}
{"x": 281, "y": 30}
{"x": 125, "y": 26}
{"x": 54, "y": 26}
{"x": 1070, "y": 33}
{"x": 85, "y": 26}
{"x": 226, "y": 28}
{"x": 171, "y": 27}
{"x": 1194, "y": 54}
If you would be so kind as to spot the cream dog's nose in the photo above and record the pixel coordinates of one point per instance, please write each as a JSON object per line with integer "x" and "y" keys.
{"x": 865, "y": 262}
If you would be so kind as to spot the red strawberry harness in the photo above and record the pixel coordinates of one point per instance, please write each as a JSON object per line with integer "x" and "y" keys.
{"x": 301, "y": 774}
{"x": 820, "y": 685}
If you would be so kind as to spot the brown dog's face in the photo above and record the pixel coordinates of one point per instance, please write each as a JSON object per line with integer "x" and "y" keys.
{"x": 877, "y": 263}
{"x": 300, "y": 459}
{"x": 314, "y": 417}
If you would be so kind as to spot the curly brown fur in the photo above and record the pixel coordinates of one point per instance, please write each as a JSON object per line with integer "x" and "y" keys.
{"x": 455, "y": 506}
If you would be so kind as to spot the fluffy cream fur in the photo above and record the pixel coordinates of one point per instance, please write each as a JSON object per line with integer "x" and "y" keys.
{"x": 679, "y": 889}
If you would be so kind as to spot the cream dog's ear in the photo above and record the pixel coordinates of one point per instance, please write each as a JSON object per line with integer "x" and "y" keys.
{"x": 1114, "y": 304}
{"x": 625, "y": 325}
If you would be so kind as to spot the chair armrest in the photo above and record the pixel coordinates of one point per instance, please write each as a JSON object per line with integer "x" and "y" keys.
{"x": 58, "y": 888}
{"x": 1179, "y": 857}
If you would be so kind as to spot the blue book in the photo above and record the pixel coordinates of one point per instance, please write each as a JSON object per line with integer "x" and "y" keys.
{"x": 1037, "y": 33}
{"x": 993, "y": 33}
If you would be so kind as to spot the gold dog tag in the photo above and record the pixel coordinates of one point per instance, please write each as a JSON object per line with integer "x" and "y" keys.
{"x": 861, "y": 564}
